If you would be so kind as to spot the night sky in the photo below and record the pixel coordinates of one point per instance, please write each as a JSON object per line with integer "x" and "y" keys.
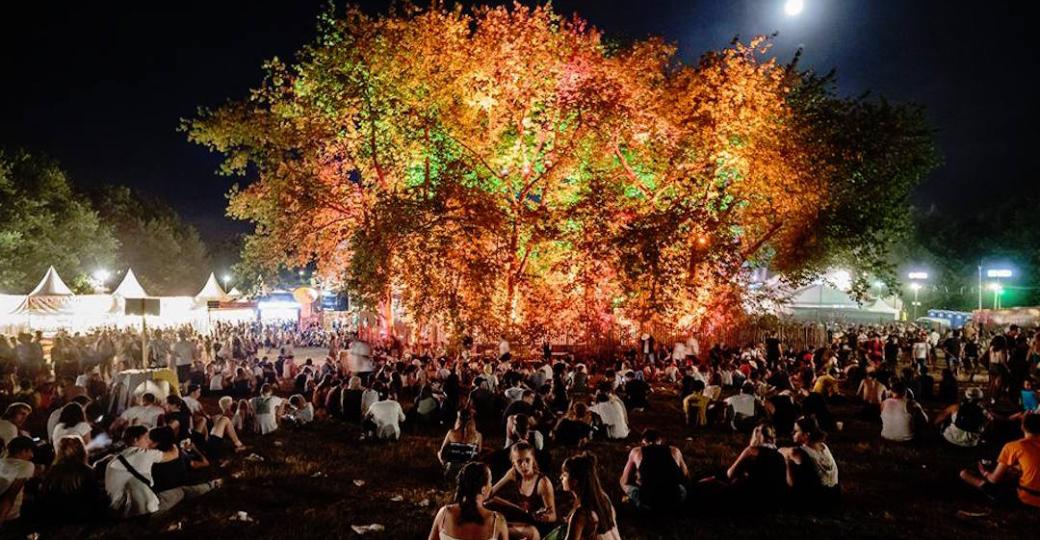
{"x": 101, "y": 86}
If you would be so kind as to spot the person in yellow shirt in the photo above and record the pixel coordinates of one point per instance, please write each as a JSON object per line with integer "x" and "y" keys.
{"x": 826, "y": 385}
{"x": 1022, "y": 455}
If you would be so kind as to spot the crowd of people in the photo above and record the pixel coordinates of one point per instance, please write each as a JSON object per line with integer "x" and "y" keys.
{"x": 68, "y": 441}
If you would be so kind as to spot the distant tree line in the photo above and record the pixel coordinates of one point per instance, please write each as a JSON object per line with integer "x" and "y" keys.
{"x": 45, "y": 220}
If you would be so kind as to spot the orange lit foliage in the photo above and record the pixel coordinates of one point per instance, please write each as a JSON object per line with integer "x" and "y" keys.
{"x": 506, "y": 171}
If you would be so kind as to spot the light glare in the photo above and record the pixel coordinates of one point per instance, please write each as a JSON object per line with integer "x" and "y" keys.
{"x": 794, "y": 7}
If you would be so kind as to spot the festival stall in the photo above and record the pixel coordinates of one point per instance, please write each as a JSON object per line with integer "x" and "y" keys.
{"x": 53, "y": 306}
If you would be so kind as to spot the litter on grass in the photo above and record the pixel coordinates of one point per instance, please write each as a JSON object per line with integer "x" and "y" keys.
{"x": 362, "y": 529}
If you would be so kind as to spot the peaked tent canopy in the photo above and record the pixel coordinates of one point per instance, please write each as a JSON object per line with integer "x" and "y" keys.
{"x": 235, "y": 293}
{"x": 51, "y": 285}
{"x": 211, "y": 290}
{"x": 51, "y": 296}
{"x": 130, "y": 287}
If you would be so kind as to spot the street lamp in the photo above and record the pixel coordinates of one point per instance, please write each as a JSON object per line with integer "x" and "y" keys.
{"x": 98, "y": 279}
{"x": 996, "y": 274}
{"x": 227, "y": 280}
{"x": 916, "y": 287}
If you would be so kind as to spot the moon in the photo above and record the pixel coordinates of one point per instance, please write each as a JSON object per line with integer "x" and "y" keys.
{"x": 793, "y": 7}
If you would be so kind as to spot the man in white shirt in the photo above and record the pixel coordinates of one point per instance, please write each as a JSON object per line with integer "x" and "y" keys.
{"x": 15, "y": 470}
{"x": 146, "y": 414}
{"x": 192, "y": 398}
{"x": 386, "y": 415}
{"x": 612, "y": 413}
{"x": 128, "y": 494}
{"x": 743, "y": 406}
{"x": 183, "y": 353}
{"x": 920, "y": 351}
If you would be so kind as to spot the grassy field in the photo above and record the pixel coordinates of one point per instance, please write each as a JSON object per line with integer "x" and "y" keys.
{"x": 306, "y": 487}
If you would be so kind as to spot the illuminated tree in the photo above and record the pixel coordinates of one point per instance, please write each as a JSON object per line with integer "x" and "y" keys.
{"x": 505, "y": 170}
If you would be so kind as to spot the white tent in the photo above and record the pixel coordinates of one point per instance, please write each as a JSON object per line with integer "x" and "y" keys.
{"x": 235, "y": 293}
{"x": 211, "y": 291}
{"x": 823, "y": 302}
{"x": 130, "y": 287}
{"x": 51, "y": 296}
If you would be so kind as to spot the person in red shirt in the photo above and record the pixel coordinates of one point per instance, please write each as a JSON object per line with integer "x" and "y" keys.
{"x": 1023, "y": 456}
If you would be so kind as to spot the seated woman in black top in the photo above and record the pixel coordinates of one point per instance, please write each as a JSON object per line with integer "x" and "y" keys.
{"x": 172, "y": 471}
{"x": 756, "y": 481}
{"x": 178, "y": 417}
{"x": 351, "y": 399}
{"x": 524, "y": 495}
{"x": 574, "y": 429}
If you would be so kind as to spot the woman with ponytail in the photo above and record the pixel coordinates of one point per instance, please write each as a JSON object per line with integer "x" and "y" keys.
{"x": 593, "y": 517}
{"x": 467, "y": 519}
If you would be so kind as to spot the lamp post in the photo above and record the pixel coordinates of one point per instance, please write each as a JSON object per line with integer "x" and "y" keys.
{"x": 916, "y": 287}
{"x": 227, "y": 281}
{"x": 996, "y": 287}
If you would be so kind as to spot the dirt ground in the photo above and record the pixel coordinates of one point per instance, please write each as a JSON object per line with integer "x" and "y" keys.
{"x": 307, "y": 486}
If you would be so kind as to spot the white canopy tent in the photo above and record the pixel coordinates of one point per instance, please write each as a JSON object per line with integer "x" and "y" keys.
{"x": 211, "y": 291}
{"x": 50, "y": 297}
{"x": 823, "y": 301}
{"x": 130, "y": 287}
{"x": 52, "y": 306}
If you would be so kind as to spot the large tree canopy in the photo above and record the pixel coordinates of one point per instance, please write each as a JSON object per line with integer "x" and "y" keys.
{"x": 166, "y": 253}
{"x": 506, "y": 169}
{"x": 44, "y": 222}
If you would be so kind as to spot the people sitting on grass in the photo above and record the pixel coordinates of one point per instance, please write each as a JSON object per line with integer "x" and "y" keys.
{"x": 461, "y": 444}
{"x": 16, "y": 468}
{"x": 695, "y": 404}
{"x": 466, "y": 518}
{"x": 576, "y": 427}
{"x": 70, "y": 486}
{"x": 812, "y": 472}
{"x": 267, "y": 409}
{"x": 962, "y": 424}
{"x": 384, "y": 417}
{"x": 901, "y": 417}
{"x": 757, "y": 479}
{"x": 518, "y": 428}
{"x": 146, "y": 414}
{"x": 525, "y": 496}
{"x": 178, "y": 417}
{"x": 300, "y": 411}
{"x": 742, "y": 409}
{"x": 72, "y": 421}
{"x": 592, "y": 516}
{"x": 655, "y": 475}
{"x": 612, "y": 414}
{"x": 1017, "y": 468}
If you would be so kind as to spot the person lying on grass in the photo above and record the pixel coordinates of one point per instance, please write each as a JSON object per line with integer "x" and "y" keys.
{"x": 1019, "y": 458}
{"x": 525, "y": 495}
{"x": 466, "y": 518}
